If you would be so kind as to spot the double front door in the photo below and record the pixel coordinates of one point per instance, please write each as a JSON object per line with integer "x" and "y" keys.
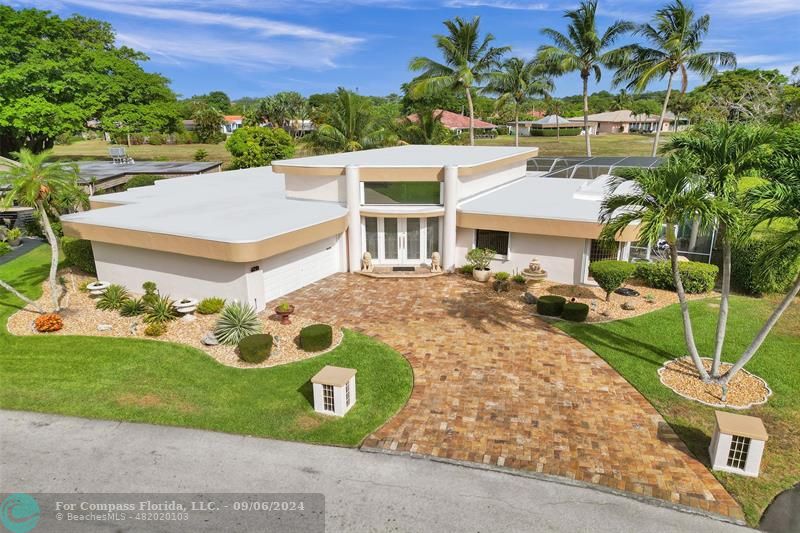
{"x": 401, "y": 241}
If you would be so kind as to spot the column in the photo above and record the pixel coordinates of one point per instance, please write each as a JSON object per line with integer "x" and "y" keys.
{"x": 449, "y": 222}
{"x": 352, "y": 176}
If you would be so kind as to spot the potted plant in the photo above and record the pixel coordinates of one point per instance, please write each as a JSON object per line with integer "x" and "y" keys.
{"x": 480, "y": 258}
{"x": 283, "y": 310}
{"x": 13, "y": 236}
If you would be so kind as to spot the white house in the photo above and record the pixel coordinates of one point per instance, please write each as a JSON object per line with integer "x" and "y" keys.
{"x": 259, "y": 233}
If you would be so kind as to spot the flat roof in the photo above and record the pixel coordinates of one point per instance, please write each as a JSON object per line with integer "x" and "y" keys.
{"x": 333, "y": 375}
{"x": 103, "y": 170}
{"x": 240, "y": 206}
{"x": 414, "y": 156}
{"x": 743, "y": 425}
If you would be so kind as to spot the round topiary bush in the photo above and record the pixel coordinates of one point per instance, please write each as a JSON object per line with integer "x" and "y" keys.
{"x": 255, "y": 348}
{"x": 611, "y": 274}
{"x": 316, "y": 337}
{"x": 575, "y": 312}
{"x": 550, "y": 305}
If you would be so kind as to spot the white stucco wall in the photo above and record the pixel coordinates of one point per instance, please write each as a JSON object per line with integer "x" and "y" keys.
{"x": 472, "y": 185}
{"x": 326, "y": 188}
{"x": 176, "y": 275}
{"x": 561, "y": 257}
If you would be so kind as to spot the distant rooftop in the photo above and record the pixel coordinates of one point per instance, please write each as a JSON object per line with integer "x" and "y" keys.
{"x": 104, "y": 170}
{"x": 456, "y": 121}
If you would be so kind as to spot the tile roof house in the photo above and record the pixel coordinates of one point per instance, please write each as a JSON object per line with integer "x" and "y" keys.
{"x": 625, "y": 121}
{"x": 456, "y": 122}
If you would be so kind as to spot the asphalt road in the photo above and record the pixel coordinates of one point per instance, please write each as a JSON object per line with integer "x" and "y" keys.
{"x": 363, "y": 491}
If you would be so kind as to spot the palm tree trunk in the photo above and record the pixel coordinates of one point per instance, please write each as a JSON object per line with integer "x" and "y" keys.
{"x": 21, "y": 296}
{"x": 688, "y": 333}
{"x": 516, "y": 124}
{"x": 55, "y": 288}
{"x": 722, "y": 320}
{"x": 471, "y": 119}
{"x": 585, "y": 115}
{"x": 762, "y": 335}
{"x": 661, "y": 118}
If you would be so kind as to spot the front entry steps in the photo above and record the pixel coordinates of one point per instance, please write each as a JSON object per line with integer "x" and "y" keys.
{"x": 401, "y": 272}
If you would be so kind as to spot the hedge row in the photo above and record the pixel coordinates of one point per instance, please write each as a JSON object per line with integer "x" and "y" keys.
{"x": 751, "y": 274}
{"x": 697, "y": 277}
{"x": 553, "y": 132}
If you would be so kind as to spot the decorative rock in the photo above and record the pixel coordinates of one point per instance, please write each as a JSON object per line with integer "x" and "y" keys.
{"x": 627, "y": 291}
{"x": 628, "y": 306}
{"x": 104, "y": 327}
{"x": 209, "y": 340}
{"x": 529, "y": 298}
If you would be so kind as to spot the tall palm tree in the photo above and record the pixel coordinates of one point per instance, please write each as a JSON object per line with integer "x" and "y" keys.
{"x": 659, "y": 198}
{"x": 724, "y": 154}
{"x": 583, "y": 49}
{"x": 350, "y": 126}
{"x": 517, "y": 81}
{"x": 675, "y": 37}
{"x": 37, "y": 184}
{"x": 425, "y": 128}
{"x": 468, "y": 61}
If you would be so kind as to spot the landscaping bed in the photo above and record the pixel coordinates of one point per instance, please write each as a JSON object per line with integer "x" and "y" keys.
{"x": 81, "y": 317}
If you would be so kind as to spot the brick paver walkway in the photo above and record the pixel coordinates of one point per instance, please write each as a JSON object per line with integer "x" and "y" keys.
{"x": 494, "y": 385}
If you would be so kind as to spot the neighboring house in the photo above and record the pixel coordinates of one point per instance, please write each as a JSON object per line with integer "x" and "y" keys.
{"x": 105, "y": 176}
{"x": 231, "y": 123}
{"x": 189, "y": 125}
{"x": 257, "y": 234}
{"x": 301, "y": 127}
{"x": 553, "y": 125}
{"x": 625, "y": 121}
{"x": 459, "y": 124}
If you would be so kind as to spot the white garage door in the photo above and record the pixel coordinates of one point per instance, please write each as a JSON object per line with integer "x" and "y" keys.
{"x": 296, "y": 269}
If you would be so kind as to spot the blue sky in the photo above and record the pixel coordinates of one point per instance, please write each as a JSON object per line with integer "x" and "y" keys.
{"x": 259, "y": 47}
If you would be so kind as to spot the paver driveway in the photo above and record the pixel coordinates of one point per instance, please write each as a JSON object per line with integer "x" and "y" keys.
{"x": 494, "y": 385}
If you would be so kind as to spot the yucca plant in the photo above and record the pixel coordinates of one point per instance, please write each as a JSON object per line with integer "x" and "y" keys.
{"x": 113, "y": 298}
{"x": 160, "y": 311}
{"x": 237, "y": 321}
{"x": 132, "y": 307}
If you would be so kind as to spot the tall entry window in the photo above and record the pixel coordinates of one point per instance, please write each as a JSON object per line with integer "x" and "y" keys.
{"x": 402, "y": 192}
{"x": 401, "y": 241}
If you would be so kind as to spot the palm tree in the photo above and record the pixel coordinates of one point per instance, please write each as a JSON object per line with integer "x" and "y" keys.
{"x": 658, "y": 199}
{"x": 468, "y": 61}
{"x": 425, "y": 128}
{"x": 584, "y": 50}
{"x": 36, "y": 184}
{"x": 350, "y": 126}
{"x": 675, "y": 38}
{"x": 724, "y": 154}
{"x": 621, "y": 101}
{"x": 777, "y": 200}
{"x": 518, "y": 81}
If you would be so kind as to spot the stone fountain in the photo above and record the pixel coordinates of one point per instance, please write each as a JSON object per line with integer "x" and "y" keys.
{"x": 534, "y": 272}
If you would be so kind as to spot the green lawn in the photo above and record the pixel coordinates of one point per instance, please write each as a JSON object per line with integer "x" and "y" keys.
{"x": 163, "y": 383}
{"x": 609, "y": 144}
{"x": 98, "y": 149}
{"x": 637, "y": 347}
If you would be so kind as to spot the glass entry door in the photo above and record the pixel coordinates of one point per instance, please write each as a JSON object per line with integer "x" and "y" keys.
{"x": 400, "y": 241}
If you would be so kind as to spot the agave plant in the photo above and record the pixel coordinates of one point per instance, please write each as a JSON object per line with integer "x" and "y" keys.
{"x": 160, "y": 310}
{"x": 132, "y": 307}
{"x": 114, "y": 297}
{"x": 237, "y": 321}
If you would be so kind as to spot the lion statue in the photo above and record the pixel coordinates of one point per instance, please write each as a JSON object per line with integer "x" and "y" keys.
{"x": 366, "y": 262}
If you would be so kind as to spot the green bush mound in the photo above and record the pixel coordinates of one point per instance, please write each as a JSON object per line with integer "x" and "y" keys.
{"x": 255, "y": 348}
{"x": 142, "y": 180}
{"x": 210, "y": 306}
{"x": 316, "y": 337}
{"x": 611, "y": 274}
{"x": 697, "y": 277}
{"x": 752, "y": 275}
{"x": 575, "y": 312}
{"x": 78, "y": 253}
{"x": 550, "y": 305}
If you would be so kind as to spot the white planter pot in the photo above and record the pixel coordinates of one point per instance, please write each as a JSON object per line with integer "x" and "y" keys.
{"x": 481, "y": 275}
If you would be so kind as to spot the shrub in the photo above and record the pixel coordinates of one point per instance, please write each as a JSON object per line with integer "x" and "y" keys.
{"x": 611, "y": 274}
{"x": 142, "y": 180}
{"x": 566, "y": 131}
{"x": 258, "y": 147}
{"x": 575, "y": 312}
{"x": 752, "y": 275}
{"x": 33, "y": 227}
{"x": 160, "y": 310}
{"x": 696, "y": 277}
{"x": 78, "y": 253}
{"x": 284, "y": 307}
{"x": 237, "y": 321}
{"x": 316, "y": 337}
{"x": 502, "y": 276}
{"x": 519, "y": 279}
{"x": 200, "y": 155}
{"x": 48, "y": 323}
{"x": 210, "y": 306}
{"x": 155, "y": 139}
{"x": 132, "y": 307}
{"x": 467, "y": 269}
{"x": 113, "y": 298}
{"x": 150, "y": 292}
{"x": 255, "y": 348}
{"x": 155, "y": 329}
{"x": 4, "y": 248}
{"x": 550, "y": 305}
{"x": 13, "y": 234}
{"x": 480, "y": 258}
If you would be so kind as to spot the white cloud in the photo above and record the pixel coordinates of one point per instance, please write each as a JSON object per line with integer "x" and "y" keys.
{"x": 748, "y": 8}
{"x": 499, "y": 4}
{"x": 758, "y": 59}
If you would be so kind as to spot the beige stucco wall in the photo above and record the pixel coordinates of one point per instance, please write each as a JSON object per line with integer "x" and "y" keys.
{"x": 326, "y": 188}
{"x": 561, "y": 257}
{"x": 472, "y": 185}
